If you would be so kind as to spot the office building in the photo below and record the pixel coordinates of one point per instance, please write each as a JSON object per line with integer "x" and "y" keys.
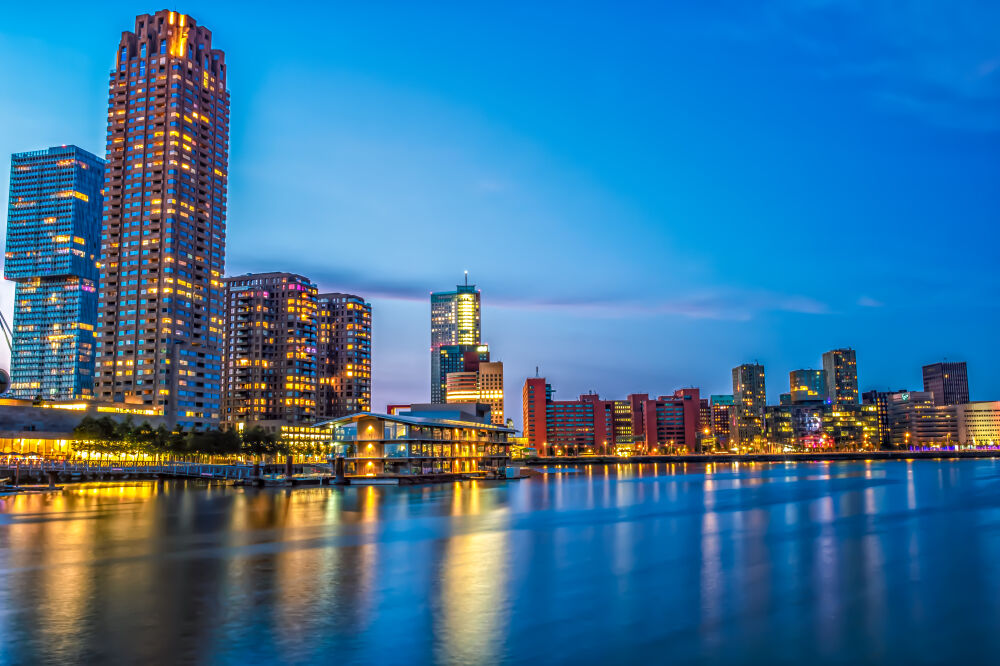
{"x": 979, "y": 423}
{"x": 160, "y": 316}
{"x": 456, "y": 324}
{"x": 343, "y": 355}
{"x": 722, "y": 411}
{"x": 812, "y": 425}
{"x": 483, "y": 385}
{"x": 749, "y": 399}
{"x": 948, "y": 381}
{"x": 841, "y": 369}
{"x": 454, "y": 358}
{"x": 880, "y": 400}
{"x": 807, "y": 386}
{"x": 53, "y": 237}
{"x": 590, "y": 424}
{"x": 269, "y": 364}
{"x": 915, "y": 421}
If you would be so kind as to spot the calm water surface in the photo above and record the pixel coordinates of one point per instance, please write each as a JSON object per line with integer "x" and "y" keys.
{"x": 785, "y": 563}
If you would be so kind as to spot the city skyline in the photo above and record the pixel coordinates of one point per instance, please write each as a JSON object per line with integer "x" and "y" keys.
{"x": 558, "y": 312}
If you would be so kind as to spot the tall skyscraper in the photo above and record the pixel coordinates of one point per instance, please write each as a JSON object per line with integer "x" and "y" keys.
{"x": 749, "y": 398}
{"x": 808, "y": 386}
{"x": 841, "y": 376}
{"x": 53, "y": 238}
{"x": 164, "y": 231}
{"x": 456, "y": 323}
{"x": 343, "y": 355}
{"x": 270, "y": 355}
{"x": 948, "y": 381}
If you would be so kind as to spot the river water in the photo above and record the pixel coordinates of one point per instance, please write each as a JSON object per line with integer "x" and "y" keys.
{"x": 749, "y": 563}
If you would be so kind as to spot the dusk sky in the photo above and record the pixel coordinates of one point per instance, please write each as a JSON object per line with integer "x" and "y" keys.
{"x": 647, "y": 195}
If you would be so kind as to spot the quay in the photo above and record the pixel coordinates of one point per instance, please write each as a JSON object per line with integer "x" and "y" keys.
{"x": 817, "y": 456}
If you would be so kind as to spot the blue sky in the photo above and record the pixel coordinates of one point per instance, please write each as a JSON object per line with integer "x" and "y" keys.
{"x": 647, "y": 195}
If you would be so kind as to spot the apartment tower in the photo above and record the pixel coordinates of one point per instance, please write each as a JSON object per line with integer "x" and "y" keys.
{"x": 455, "y": 324}
{"x": 270, "y": 355}
{"x": 343, "y": 355}
{"x": 163, "y": 237}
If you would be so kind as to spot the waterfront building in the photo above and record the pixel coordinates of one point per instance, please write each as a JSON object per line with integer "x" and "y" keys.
{"x": 979, "y": 423}
{"x": 53, "y": 240}
{"x": 808, "y": 386}
{"x": 455, "y": 323}
{"x": 841, "y": 369}
{"x": 915, "y": 421}
{"x": 343, "y": 355}
{"x": 722, "y": 410}
{"x": 45, "y": 429}
{"x": 418, "y": 442}
{"x": 592, "y": 425}
{"x": 160, "y": 316}
{"x": 483, "y": 385}
{"x": 749, "y": 399}
{"x": 813, "y": 425}
{"x": 948, "y": 381}
{"x": 269, "y": 364}
{"x": 880, "y": 400}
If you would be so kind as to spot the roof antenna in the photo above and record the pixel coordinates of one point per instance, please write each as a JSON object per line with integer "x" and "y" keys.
{"x": 536, "y": 371}
{"x": 466, "y": 278}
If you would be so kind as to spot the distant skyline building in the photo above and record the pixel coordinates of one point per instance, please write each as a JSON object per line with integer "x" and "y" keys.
{"x": 807, "y": 386}
{"x": 749, "y": 400}
{"x": 454, "y": 358}
{"x": 270, "y": 376}
{"x": 164, "y": 231}
{"x": 841, "y": 369}
{"x": 343, "y": 355}
{"x": 948, "y": 381}
{"x": 722, "y": 411}
{"x": 456, "y": 323}
{"x": 53, "y": 241}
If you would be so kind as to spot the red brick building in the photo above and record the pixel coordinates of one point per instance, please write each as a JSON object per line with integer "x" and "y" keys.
{"x": 592, "y": 425}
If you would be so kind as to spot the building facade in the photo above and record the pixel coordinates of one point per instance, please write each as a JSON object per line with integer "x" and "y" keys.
{"x": 749, "y": 400}
{"x": 590, "y": 424}
{"x": 807, "y": 386}
{"x": 163, "y": 238}
{"x": 880, "y": 400}
{"x": 915, "y": 421}
{"x": 269, "y": 365}
{"x": 53, "y": 240}
{"x": 948, "y": 381}
{"x": 447, "y": 359}
{"x": 483, "y": 385}
{"x": 841, "y": 369}
{"x": 722, "y": 412}
{"x": 418, "y": 443}
{"x": 455, "y": 323}
{"x": 979, "y": 423}
{"x": 343, "y": 355}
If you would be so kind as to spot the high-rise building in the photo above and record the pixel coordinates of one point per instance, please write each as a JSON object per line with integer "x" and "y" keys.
{"x": 53, "y": 238}
{"x": 841, "y": 369}
{"x": 948, "y": 381}
{"x": 483, "y": 385}
{"x": 455, "y": 322}
{"x": 915, "y": 421}
{"x": 749, "y": 398}
{"x": 163, "y": 240}
{"x": 722, "y": 409}
{"x": 343, "y": 355}
{"x": 808, "y": 386}
{"x": 454, "y": 358}
{"x": 880, "y": 400}
{"x": 270, "y": 375}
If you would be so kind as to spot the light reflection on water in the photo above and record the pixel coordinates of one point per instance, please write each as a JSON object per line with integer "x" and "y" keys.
{"x": 850, "y": 562}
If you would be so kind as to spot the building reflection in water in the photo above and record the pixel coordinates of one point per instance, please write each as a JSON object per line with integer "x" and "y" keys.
{"x": 847, "y": 562}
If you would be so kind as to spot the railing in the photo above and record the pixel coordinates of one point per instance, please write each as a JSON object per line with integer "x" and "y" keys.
{"x": 193, "y": 470}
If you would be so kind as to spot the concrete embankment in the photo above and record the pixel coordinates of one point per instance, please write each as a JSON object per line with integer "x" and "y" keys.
{"x": 763, "y": 457}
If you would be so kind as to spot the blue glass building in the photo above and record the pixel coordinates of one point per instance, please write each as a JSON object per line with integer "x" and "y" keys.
{"x": 53, "y": 237}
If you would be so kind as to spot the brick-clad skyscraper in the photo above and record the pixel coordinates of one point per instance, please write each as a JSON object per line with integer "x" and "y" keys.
{"x": 343, "y": 355}
{"x": 270, "y": 356}
{"x": 164, "y": 229}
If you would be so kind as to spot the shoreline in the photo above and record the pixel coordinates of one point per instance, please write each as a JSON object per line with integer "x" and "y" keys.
{"x": 828, "y": 456}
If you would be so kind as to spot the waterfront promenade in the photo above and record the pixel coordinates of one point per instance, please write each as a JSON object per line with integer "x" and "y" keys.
{"x": 818, "y": 456}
